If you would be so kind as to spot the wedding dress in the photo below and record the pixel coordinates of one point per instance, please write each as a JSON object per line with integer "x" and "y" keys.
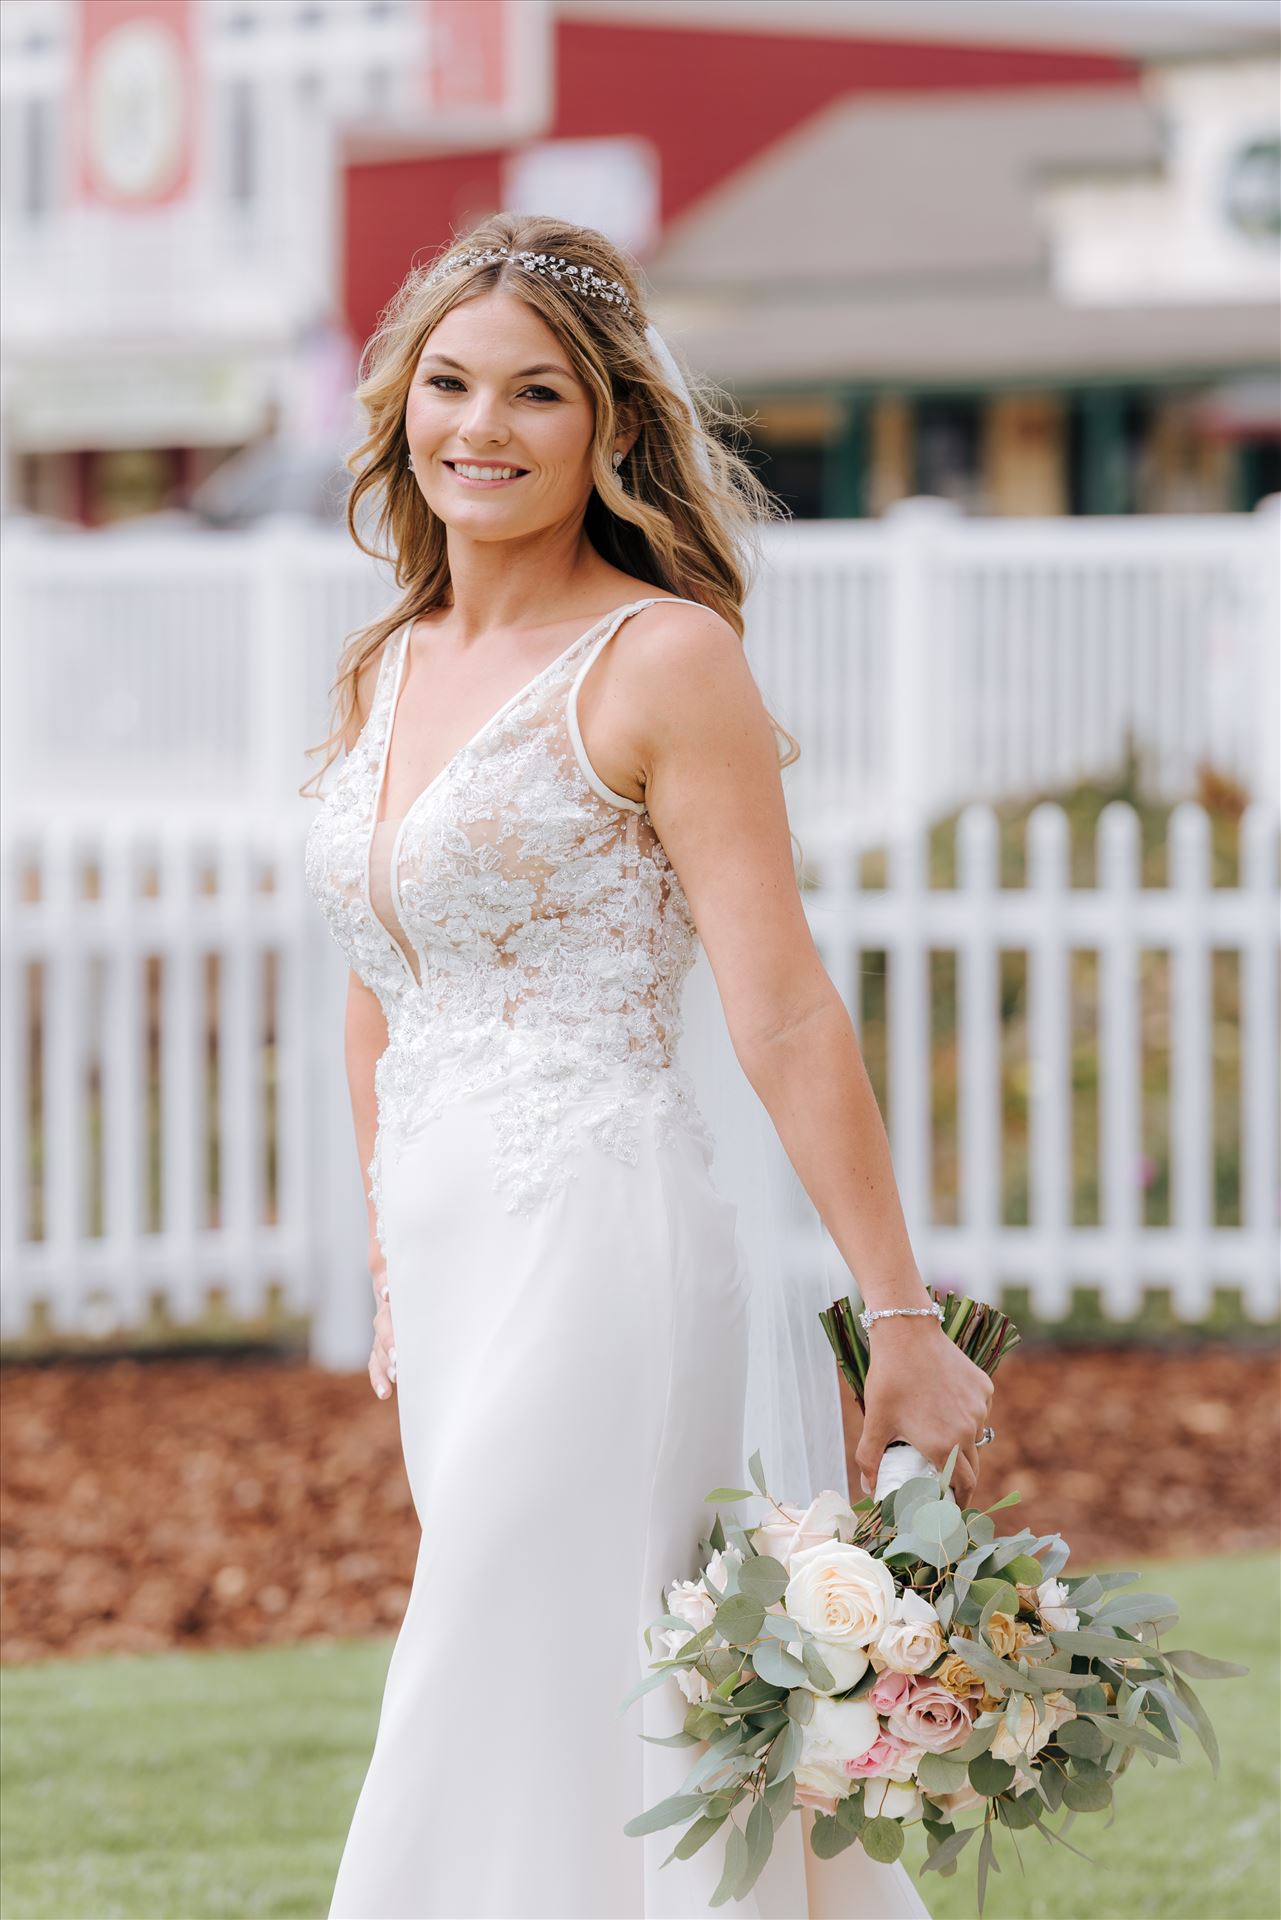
{"x": 570, "y": 1303}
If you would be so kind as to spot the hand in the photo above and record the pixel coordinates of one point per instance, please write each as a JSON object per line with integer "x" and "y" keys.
{"x": 382, "y": 1357}
{"x": 922, "y": 1388}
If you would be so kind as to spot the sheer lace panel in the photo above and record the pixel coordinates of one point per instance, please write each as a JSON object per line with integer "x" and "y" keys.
{"x": 520, "y": 925}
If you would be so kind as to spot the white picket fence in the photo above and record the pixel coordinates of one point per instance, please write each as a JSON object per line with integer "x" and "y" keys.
{"x": 187, "y": 1005}
{"x": 923, "y": 660}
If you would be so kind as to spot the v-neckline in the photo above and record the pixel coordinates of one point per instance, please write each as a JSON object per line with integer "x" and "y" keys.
{"x": 385, "y": 758}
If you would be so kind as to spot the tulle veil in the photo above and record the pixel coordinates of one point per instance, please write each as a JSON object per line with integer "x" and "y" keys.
{"x": 792, "y": 1412}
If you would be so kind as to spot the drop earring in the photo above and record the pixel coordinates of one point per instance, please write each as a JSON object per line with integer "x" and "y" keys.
{"x": 410, "y": 463}
{"x": 617, "y": 457}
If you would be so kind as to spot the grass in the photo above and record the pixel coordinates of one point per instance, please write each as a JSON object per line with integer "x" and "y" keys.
{"x": 188, "y": 1785}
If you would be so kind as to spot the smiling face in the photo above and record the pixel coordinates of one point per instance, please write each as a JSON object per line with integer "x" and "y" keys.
{"x": 493, "y": 390}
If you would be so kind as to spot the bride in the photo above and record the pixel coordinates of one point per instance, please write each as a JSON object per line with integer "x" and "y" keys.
{"x": 532, "y": 836}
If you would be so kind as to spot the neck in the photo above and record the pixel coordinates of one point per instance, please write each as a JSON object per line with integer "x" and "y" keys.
{"x": 498, "y": 586}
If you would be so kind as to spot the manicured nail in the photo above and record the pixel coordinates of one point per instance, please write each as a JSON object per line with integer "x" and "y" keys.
{"x": 385, "y": 1293}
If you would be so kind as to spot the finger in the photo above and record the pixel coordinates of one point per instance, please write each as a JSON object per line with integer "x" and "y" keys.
{"x": 872, "y": 1444}
{"x": 968, "y": 1466}
{"x": 382, "y": 1368}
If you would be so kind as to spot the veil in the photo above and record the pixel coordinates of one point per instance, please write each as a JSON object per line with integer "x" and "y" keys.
{"x": 792, "y": 1408}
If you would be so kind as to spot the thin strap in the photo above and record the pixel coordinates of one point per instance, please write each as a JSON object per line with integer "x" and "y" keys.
{"x": 589, "y": 772}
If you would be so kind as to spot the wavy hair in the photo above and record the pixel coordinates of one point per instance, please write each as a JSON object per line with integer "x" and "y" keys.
{"x": 667, "y": 523}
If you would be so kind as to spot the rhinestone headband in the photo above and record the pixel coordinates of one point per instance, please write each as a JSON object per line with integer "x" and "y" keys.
{"x": 586, "y": 279}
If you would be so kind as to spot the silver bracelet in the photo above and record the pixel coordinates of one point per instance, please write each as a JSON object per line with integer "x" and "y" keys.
{"x": 869, "y": 1314}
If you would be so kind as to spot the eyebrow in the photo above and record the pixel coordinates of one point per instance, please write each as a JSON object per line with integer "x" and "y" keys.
{"x": 526, "y": 373}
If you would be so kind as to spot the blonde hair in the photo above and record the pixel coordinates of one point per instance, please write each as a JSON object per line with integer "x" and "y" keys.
{"x": 672, "y": 525}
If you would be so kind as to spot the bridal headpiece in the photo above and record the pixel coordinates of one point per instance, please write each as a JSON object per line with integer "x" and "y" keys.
{"x": 586, "y": 279}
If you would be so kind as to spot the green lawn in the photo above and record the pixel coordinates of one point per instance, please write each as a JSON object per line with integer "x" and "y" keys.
{"x": 186, "y": 1785}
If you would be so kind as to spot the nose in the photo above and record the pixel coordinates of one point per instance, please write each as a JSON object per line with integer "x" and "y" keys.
{"x": 483, "y": 423}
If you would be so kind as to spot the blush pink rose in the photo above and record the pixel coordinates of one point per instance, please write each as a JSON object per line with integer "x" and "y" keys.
{"x": 930, "y": 1717}
{"x": 879, "y": 1760}
{"x": 889, "y": 1690}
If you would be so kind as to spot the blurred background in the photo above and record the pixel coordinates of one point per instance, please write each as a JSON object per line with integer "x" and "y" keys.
{"x": 996, "y": 285}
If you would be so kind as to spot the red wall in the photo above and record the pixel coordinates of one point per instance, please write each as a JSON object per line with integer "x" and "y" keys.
{"x": 710, "y": 102}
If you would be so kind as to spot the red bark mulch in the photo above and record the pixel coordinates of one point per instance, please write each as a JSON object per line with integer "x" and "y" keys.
{"x": 215, "y": 1503}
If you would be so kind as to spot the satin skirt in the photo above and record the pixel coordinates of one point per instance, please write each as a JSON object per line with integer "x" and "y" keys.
{"x": 570, "y": 1383}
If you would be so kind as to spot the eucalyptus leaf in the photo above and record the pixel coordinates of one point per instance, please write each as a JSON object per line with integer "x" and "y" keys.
{"x": 1133, "y": 1609}
{"x": 712, "y": 1761}
{"x": 820, "y": 1674}
{"x": 738, "y": 1619}
{"x": 1201, "y": 1666}
{"x": 940, "y": 1773}
{"x": 785, "y": 1752}
{"x": 670, "y": 1739}
{"x": 696, "y": 1836}
{"x": 1201, "y": 1721}
{"x": 800, "y": 1705}
{"x": 726, "y": 1496}
{"x": 989, "y": 1776}
{"x": 773, "y": 1663}
{"x": 760, "y": 1840}
{"x": 1087, "y": 1796}
{"x": 882, "y": 1840}
{"x": 1082, "y": 1737}
{"x": 828, "y": 1837}
{"x": 780, "y": 1795}
{"x": 735, "y": 1861}
{"x": 757, "y": 1472}
{"x": 1016, "y": 1812}
{"x": 946, "y": 1854}
{"x": 850, "y": 1811}
{"x": 765, "y": 1579}
{"x": 677, "y": 1806}
{"x": 1138, "y": 1736}
{"x": 1101, "y": 1645}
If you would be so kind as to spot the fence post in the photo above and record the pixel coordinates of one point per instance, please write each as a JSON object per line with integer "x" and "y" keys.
{"x": 917, "y": 628}
{"x": 337, "y": 1225}
{"x": 1267, "y": 781}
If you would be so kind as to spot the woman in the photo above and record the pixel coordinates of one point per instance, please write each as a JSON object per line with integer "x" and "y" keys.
{"x": 530, "y": 834}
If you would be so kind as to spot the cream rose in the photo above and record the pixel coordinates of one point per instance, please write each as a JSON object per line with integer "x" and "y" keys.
{"x": 840, "y": 1593}
{"x": 789, "y": 1529}
{"x": 912, "y": 1638}
{"x": 892, "y": 1800}
{"x": 837, "y": 1731}
{"x": 1050, "y": 1598}
{"x": 1034, "y": 1725}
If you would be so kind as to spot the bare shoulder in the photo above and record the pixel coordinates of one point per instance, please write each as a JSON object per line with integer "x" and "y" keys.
{"x": 684, "y": 672}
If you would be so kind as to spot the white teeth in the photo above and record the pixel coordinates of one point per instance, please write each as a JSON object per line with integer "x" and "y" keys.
{"x": 486, "y": 473}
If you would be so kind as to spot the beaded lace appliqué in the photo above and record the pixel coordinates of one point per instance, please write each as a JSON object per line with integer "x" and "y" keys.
{"x": 551, "y": 940}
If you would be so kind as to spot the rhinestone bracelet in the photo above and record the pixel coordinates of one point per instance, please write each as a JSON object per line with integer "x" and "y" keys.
{"x": 869, "y": 1314}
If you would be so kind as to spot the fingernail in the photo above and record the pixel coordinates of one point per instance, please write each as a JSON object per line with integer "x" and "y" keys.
{"x": 391, "y": 1355}
{"x": 385, "y": 1293}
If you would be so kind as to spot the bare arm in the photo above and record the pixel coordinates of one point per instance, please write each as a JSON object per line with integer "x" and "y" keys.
{"x": 716, "y": 800}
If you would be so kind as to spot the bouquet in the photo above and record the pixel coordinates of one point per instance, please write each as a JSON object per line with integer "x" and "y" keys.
{"x": 896, "y": 1661}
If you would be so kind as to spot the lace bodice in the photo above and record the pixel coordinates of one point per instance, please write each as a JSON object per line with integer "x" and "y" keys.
{"x": 521, "y": 925}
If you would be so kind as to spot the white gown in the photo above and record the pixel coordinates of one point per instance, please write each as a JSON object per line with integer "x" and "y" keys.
{"x": 570, "y": 1304}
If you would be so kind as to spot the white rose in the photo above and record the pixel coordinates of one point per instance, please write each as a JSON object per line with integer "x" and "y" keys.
{"x": 841, "y": 1593}
{"x": 891, "y": 1799}
{"x": 690, "y": 1600}
{"x": 837, "y": 1731}
{"x": 716, "y": 1572}
{"x": 1050, "y": 1596}
{"x": 688, "y": 1679}
{"x": 912, "y": 1639}
{"x": 789, "y": 1529}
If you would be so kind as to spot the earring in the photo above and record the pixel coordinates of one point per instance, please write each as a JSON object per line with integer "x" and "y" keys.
{"x": 410, "y": 463}
{"x": 617, "y": 458}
